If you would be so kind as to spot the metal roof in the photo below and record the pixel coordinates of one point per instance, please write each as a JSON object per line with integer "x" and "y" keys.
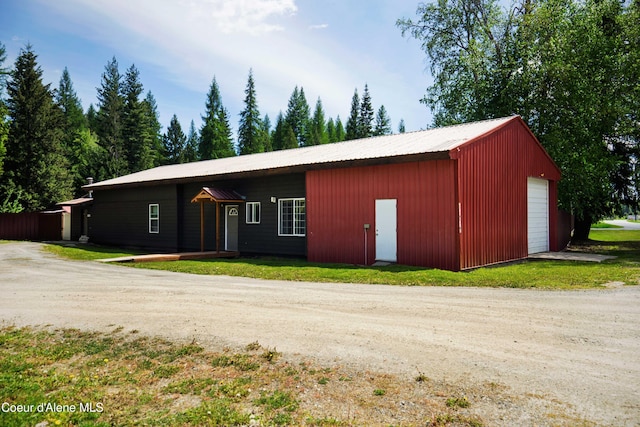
{"x": 437, "y": 140}
{"x": 217, "y": 195}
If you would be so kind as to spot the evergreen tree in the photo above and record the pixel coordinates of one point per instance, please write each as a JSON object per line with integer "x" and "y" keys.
{"x": 297, "y": 115}
{"x": 250, "y": 134}
{"x": 383, "y": 122}
{"x": 35, "y": 166}
{"x": 318, "y": 129}
{"x": 92, "y": 118}
{"x": 154, "y": 128}
{"x": 331, "y": 131}
{"x": 190, "y": 153}
{"x": 174, "y": 142}
{"x": 354, "y": 118}
{"x": 135, "y": 130}
{"x": 366, "y": 116}
{"x": 215, "y": 134}
{"x": 401, "y": 127}
{"x": 74, "y": 123}
{"x": 266, "y": 133}
{"x": 109, "y": 121}
{"x": 4, "y": 112}
{"x": 340, "y": 134}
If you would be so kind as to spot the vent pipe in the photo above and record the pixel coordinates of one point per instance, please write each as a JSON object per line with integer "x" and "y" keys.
{"x": 89, "y": 182}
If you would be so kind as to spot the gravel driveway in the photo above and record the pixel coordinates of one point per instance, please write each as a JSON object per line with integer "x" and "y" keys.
{"x": 580, "y": 348}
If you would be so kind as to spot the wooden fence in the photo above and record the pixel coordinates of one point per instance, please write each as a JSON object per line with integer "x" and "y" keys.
{"x": 36, "y": 226}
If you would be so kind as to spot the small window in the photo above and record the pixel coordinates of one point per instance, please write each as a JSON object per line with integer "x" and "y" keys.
{"x": 292, "y": 217}
{"x": 253, "y": 212}
{"x": 154, "y": 218}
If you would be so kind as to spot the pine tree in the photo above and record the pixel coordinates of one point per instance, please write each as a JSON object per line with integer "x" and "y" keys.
{"x": 297, "y": 115}
{"x": 35, "y": 166}
{"x": 174, "y": 142}
{"x": 265, "y": 128}
{"x": 92, "y": 118}
{"x": 383, "y": 122}
{"x": 154, "y": 129}
{"x": 401, "y": 128}
{"x": 354, "y": 118}
{"x": 74, "y": 123}
{"x": 340, "y": 132}
{"x": 190, "y": 153}
{"x": 366, "y": 116}
{"x": 283, "y": 137}
{"x": 135, "y": 131}
{"x": 331, "y": 131}
{"x": 250, "y": 136}
{"x": 4, "y": 112}
{"x": 318, "y": 129}
{"x": 109, "y": 121}
{"x": 215, "y": 134}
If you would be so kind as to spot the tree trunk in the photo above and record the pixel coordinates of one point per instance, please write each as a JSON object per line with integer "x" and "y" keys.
{"x": 582, "y": 226}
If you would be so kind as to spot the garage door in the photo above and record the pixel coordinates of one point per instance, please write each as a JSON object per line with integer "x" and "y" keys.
{"x": 538, "y": 215}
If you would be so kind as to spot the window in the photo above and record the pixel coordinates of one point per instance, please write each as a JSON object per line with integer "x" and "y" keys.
{"x": 292, "y": 219}
{"x": 253, "y": 212}
{"x": 154, "y": 218}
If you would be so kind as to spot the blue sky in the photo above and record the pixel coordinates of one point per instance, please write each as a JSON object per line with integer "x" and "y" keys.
{"x": 328, "y": 47}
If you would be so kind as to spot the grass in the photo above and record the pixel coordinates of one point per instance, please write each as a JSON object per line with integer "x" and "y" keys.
{"x": 624, "y": 244}
{"x": 601, "y": 224}
{"x": 70, "y": 377}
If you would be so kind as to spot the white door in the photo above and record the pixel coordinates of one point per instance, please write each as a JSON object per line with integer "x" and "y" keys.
{"x": 386, "y": 230}
{"x": 231, "y": 228}
{"x": 537, "y": 215}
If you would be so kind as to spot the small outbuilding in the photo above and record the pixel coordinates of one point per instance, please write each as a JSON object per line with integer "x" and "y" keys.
{"x": 453, "y": 198}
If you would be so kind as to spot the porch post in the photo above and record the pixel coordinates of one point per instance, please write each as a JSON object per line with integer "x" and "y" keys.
{"x": 217, "y": 227}
{"x": 201, "y": 225}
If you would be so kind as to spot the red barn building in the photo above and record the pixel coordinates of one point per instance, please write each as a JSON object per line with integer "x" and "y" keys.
{"x": 453, "y": 198}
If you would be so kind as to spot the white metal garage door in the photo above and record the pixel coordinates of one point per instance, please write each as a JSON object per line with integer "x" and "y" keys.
{"x": 538, "y": 215}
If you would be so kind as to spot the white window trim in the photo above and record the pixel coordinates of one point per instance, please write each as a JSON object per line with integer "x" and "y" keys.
{"x": 156, "y": 218}
{"x": 294, "y": 217}
{"x": 249, "y": 217}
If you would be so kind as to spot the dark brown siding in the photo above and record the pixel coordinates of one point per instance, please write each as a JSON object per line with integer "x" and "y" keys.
{"x": 341, "y": 201}
{"x": 252, "y": 238}
{"x": 121, "y": 217}
{"x": 31, "y": 226}
{"x": 492, "y": 182}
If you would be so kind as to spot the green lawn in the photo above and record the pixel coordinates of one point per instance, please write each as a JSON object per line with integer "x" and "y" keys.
{"x": 624, "y": 244}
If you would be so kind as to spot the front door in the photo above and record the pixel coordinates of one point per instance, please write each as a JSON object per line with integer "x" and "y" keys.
{"x": 386, "y": 230}
{"x": 231, "y": 228}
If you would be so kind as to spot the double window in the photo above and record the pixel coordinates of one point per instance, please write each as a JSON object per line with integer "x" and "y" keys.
{"x": 253, "y": 212}
{"x": 292, "y": 218}
{"x": 154, "y": 218}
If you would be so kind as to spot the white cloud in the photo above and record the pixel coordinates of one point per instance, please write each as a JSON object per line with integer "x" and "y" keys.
{"x": 318, "y": 26}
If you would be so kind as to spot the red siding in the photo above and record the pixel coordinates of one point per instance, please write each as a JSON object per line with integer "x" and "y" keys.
{"x": 492, "y": 175}
{"x": 341, "y": 201}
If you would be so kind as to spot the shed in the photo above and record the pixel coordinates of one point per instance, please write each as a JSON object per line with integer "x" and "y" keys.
{"x": 455, "y": 197}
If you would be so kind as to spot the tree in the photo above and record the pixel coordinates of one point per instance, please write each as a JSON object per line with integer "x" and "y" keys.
{"x": 154, "y": 129}
{"x": 365, "y": 118}
{"x": 266, "y": 133}
{"x": 401, "y": 127}
{"x": 283, "y": 136}
{"x": 557, "y": 63}
{"x": 297, "y": 115}
{"x": 109, "y": 121}
{"x": 4, "y": 112}
{"x": 215, "y": 134}
{"x": 250, "y": 132}
{"x": 383, "y": 122}
{"x": 174, "y": 142}
{"x": 74, "y": 123}
{"x": 354, "y": 118}
{"x": 136, "y": 132}
{"x": 340, "y": 132}
{"x": 318, "y": 127}
{"x": 190, "y": 153}
{"x": 35, "y": 166}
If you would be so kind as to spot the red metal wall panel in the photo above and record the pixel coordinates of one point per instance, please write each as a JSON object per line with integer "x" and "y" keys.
{"x": 492, "y": 175}
{"x": 341, "y": 201}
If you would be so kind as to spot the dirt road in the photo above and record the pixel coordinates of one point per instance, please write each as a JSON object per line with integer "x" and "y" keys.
{"x": 578, "y": 348}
